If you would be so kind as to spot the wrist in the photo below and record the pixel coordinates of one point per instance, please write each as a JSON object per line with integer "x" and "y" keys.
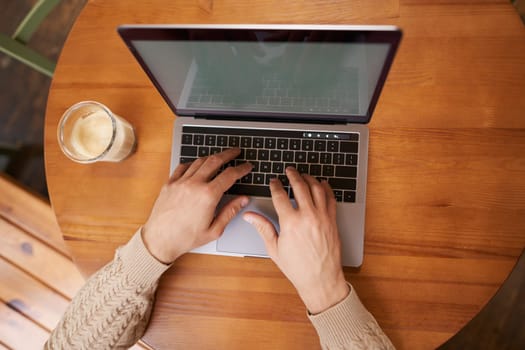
{"x": 154, "y": 245}
{"x": 326, "y": 295}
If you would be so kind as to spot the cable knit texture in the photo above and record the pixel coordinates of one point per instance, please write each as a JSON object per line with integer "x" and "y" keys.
{"x": 348, "y": 325}
{"x": 113, "y": 308}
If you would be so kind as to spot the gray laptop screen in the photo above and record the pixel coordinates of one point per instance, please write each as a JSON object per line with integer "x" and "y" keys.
{"x": 274, "y": 72}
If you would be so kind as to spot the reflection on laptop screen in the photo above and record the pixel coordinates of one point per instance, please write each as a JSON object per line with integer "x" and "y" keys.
{"x": 271, "y": 71}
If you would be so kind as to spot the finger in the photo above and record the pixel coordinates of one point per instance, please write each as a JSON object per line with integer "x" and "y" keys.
{"x": 227, "y": 178}
{"x": 317, "y": 191}
{"x": 226, "y": 214}
{"x": 195, "y": 165}
{"x": 266, "y": 231}
{"x": 280, "y": 199}
{"x": 301, "y": 190}
{"x": 214, "y": 162}
{"x": 331, "y": 203}
{"x": 178, "y": 172}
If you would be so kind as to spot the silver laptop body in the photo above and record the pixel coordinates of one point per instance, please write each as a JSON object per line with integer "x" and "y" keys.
{"x": 321, "y": 82}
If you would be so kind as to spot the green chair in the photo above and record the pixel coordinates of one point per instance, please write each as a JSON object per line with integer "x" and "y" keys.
{"x": 15, "y": 46}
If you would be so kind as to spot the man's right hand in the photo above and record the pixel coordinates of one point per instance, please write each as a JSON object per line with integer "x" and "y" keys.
{"x": 307, "y": 250}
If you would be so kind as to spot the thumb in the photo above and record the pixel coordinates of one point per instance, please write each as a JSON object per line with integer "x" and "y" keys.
{"x": 226, "y": 214}
{"x": 266, "y": 231}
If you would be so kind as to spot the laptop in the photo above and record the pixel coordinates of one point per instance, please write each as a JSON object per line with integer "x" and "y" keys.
{"x": 287, "y": 95}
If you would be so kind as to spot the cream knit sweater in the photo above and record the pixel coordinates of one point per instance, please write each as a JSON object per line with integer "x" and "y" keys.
{"x": 113, "y": 308}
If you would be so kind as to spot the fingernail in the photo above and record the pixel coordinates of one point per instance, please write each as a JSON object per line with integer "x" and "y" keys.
{"x": 248, "y": 218}
{"x": 244, "y": 202}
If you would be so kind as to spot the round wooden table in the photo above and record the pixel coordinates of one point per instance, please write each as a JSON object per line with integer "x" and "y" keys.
{"x": 446, "y": 197}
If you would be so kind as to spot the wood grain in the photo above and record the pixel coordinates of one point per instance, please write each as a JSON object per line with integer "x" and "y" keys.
{"x": 445, "y": 196}
{"x": 13, "y": 325}
{"x": 39, "y": 260}
{"x": 31, "y": 298}
{"x": 31, "y": 213}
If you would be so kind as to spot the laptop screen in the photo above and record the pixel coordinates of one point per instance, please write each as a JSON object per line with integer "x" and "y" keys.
{"x": 335, "y": 73}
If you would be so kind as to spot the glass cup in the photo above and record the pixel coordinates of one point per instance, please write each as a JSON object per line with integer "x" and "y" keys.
{"x": 89, "y": 132}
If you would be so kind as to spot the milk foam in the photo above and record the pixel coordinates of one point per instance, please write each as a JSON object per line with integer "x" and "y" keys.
{"x": 91, "y": 135}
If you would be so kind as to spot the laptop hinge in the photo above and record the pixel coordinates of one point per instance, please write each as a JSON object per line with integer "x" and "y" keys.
{"x": 271, "y": 119}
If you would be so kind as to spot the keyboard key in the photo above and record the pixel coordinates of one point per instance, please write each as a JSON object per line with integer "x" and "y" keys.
{"x": 349, "y": 196}
{"x": 328, "y": 170}
{"x": 246, "y": 142}
{"x": 288, "y": 156}
{"x": 268, "y": 177}
{"x": 338, "y": 195}
{"x": 258, "y": 178}
{"x": 222, "y": 141}
{"x": 302, "y": 168}
{"x": 266, "y": 167}
{"x": 184, "y": 160}
{"x": 284, "y": 180}
{"x": 234, "y": 141}
{"x": 320, "y": 145}
{"x": 188, "y": 151}
{"x": 351, "y": 159}
{"x": 295, "y": 144}
{"x": 255, "y": 165}
{"x": 342, "y": 183}
{"x": 346, "y": 171}
{"x": 251, "y": 154}
{"x": 210, "y": 140}
{"x": 307, "y": 145}
{"x": 278, "y": 167}
{"x": 247, "y": 179}
{"x": 250, "y": 190}
{"x": 338, "y": 158}
{"x": 275, "y": 156}
{"x": 187, "y": 139}
{"x": 282, "y": 143}
{"x": 214, "y": 150}
{"x": 300, "y": 157}
{"x": 204, "y": 151}
{"x": 332, "y": 146}
{"x": 326, "y": 158}
{"x": 198, "y": 139}
{"x": 354, "y": 137}
{"x": 263, "y": 154}
{"x": 270, "y": 143}
{"x": 258, "y": 142}
{"x": 293, "y": 165}
{"x": 315, "y": 170}
{"x": 313, "y": 157}
{"x": 349, "y": 147}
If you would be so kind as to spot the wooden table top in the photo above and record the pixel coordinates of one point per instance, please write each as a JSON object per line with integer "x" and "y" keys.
{"x": 446, "y": 192}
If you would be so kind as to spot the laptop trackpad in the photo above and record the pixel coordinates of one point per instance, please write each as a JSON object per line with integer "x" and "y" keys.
{"x": 240, "y": 236}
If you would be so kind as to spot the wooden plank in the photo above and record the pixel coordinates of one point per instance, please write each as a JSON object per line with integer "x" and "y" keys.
{"x": 31, "y": 213}
{"x": 39, "y": 260}
{"x": 30, "y": 297}
{"x": 18, "y": 332}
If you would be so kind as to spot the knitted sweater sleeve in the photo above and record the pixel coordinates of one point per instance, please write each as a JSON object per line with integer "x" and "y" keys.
{"x": 112, "y": 309}
{"x": 348, "y": 325}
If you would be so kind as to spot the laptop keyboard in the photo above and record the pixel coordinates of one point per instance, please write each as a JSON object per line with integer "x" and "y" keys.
{"x": 330, "y": 156}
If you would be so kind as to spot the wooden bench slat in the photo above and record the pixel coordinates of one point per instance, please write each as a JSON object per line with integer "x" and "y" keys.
{"x": 31, "y": 213}
{"x": 29, "y": 297}
{"x": 39, "y": 260}
{"x": 18, "y": 332}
